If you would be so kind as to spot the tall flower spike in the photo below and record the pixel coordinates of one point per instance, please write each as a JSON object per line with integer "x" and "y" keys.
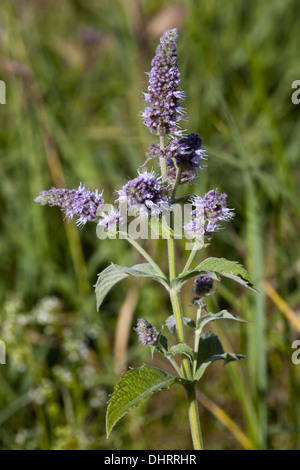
{"x": 164, "y": 96}
{"x": 74, "y": 202}
{"x": 145, "y": 193}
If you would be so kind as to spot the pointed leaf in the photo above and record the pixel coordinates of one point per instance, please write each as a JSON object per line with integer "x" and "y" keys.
{"x": 217, "y": 316}
{"x": 227, "y": 357}
{"x": 229, "y": 269}
{"x": 115, "y": 273}
{"x": 210, "y": 349}
{"x": 144, "y": 270}
{"x": 217, "y": 267}
{"x": 106, "y": 280}
{"x": 209, "y": 345}
{"x": 171, "y": 323}
{"x": 134, "y": 388}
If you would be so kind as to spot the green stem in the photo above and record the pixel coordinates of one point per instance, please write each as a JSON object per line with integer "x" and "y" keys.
{"x": 176, "y": 183}
{"x": 190, "y": 259}
{"x": 196, "y": 340}
{"x": 194, "y": 417}
{"x": 177, "y": 310}
{"x": 178, "y": 314}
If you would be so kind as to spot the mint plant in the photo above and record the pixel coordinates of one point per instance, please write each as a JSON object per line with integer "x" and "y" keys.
{"x": 151, "y": 200}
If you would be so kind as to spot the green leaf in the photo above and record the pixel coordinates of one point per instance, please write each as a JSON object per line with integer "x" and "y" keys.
{"x": 227, "y": 357}
{"x": 162, "y": 343}
{"x": 181, "y": 349}
{"x": 209, "y": 345}
{"x": 210, "y": 349}
{"x": 114, "y": 273}
{"x": 171, "y": 323}
{"x": 217, "y": 316}
{"x": 106, "y": 280}
{"x": 144, "y": 270}
{"x": 136, "y": 386}
{"x": 218, "y": 267}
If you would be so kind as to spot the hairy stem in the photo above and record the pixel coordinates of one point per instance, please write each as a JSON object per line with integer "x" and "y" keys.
{"x": 194, "y": 417}
{"x": 190, "y": 258}
{"x": 196, "y": 340}
{"x": 178, "y": 314}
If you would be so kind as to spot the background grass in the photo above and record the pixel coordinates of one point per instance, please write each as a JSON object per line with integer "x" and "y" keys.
{"x": 74, "y": 73}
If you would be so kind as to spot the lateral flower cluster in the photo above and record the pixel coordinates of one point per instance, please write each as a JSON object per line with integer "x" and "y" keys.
{"x": 80, "y": 202}
{"x": 209, "y": 211}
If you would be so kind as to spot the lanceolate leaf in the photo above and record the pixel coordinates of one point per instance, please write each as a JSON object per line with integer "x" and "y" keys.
{"x": 226, "y": 268}
{"x": 144, "y": 270}
{"x": 171, "y": 323}
{"x": 210, "y": 349}
{"x": 217, "y": 267}
{"x": 134, "y": 388}
{"x": 217, "y": 316}
{"x": 227, "y": 357}
{"x": 115, "y": 273}
{"x": 106, "y": 280}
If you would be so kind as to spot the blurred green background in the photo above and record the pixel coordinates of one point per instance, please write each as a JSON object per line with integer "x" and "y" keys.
{"x": 74, "y": 74}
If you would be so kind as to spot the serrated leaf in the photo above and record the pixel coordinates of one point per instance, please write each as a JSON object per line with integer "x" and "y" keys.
{"x": 217, "y": 316}
{"x": 171, "y": 323}
{"x": 114, "y": 273}
{"x": 210, "y": 349}
{"x": 135, "y": 386}
{"x": 230, "y": 269}
{"x": 181, "y": 349}
{"x": 217, "y": 267}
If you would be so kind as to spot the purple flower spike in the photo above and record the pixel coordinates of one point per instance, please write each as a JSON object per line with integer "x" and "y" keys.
{"x": 164, "y": 96}
{"x": 208, "y": 211}
{"x": 147, "y": 334}
{"x": 74, "y": 202}
{"x": 145, "y": 193}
